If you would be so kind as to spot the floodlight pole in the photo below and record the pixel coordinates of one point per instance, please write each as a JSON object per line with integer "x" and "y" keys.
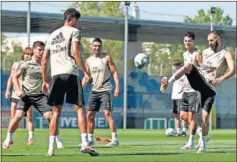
{"x": 28, "y": 23}
{"x": 125, "y": 65}
{"x": 213, "y": 11}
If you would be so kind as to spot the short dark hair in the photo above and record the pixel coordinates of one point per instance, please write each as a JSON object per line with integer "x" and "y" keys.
{"x": 38, "y": 43}
{"x": 71, "y": 13}
{"x": 176, "y": 62}
{"x": 97, "y": 40}
{"x": 190, "y": 34}
{"x": 217, "y": 33}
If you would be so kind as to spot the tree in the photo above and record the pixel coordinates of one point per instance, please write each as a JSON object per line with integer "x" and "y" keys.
{"x": 103, "y": 9}
{"x": 161, "y": 56}
{"x": 9, "y": 56}
{"x": 204, "y": 18}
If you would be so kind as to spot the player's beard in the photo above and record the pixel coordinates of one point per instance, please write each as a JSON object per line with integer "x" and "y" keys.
{"x": 214, "y": 46}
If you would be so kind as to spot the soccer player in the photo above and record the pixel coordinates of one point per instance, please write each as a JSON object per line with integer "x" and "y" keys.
{"x": 29, "y": 91}
{"x": 176, "y": 96}
{"x": 26, "y": 55}
{"x": 63, "y": 48}
{"x": 99, "y": 66}
{"x": 191, "y": 99}
{"x": 216, "y": 61}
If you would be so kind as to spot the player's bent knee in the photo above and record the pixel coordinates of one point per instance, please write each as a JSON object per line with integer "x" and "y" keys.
{"x": 90, "y": 116}
{"x": 184, "y": 117}
{"x": 187, "y": 68}
{"x": 205, "y": 117}
{"x": 48, "y": 115}
{"x": 107, "y": 113}
{"x": 18, "y": 117}
{"x": 12, "y": 116}
{"x": 176, "y": 116}
{"x": 29, "y": 118}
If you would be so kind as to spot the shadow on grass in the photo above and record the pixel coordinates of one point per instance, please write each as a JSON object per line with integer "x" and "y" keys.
{"x": 127, "y": 145}
{"x": 102, "y": 154}
{"x": 142, "y": 153}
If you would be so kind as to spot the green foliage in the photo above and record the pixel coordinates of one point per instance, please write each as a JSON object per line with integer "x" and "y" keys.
{"x": 161, "y": 56}
{"x": 103, "y": 9}
{"x": 8, "y": 58}
{"x": 203, "y": 17}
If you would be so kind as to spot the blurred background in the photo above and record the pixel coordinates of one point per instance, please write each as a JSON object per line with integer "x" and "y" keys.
{"x": 155, "y": 28}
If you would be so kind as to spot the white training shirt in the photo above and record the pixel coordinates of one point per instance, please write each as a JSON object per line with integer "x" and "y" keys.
{"x": 189, "y": 58}
{"x": 100, "y": 72}
{"x": 177, "y": 89}
{"x": 61, "y": 54}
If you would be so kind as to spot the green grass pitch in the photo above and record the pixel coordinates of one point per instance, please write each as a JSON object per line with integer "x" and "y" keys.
{"x": 136, "y": 145}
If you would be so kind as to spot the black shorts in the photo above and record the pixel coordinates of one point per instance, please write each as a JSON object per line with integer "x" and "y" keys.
{"x": 69, "y": 85}
{"x": 198, "y": 83}
{"x": 15, "y": 100}
{"x": 100, "y": 99}
{"x": 176, "y": 106}
{"x": 39, "y": 101}
{"x": 190, "y": 102}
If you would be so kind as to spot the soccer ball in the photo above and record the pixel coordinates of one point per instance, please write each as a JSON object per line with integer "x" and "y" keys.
{"x": 141, "y": 60}
{"x": 170, "y": 132}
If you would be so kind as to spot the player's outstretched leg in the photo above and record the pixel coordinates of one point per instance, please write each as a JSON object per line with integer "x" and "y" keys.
{"x": 13, "y": 125}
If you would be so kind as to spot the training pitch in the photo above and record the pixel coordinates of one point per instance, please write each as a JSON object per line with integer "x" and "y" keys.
{"x": 136, "y": 145}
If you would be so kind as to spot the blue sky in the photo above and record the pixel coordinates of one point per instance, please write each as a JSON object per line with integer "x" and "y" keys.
{"x": 165, "y": 11}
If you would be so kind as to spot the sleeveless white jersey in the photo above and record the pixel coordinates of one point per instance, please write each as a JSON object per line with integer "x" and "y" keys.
{"x": 214, "y": 65}
{"x": 189, "y": 58}
{"x": 100, "y": 73}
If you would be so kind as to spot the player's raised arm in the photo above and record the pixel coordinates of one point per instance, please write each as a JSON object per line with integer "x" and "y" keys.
{"x": 199, "y": 58}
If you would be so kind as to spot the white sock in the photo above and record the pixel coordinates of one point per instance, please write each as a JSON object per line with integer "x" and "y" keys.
{"x": 58, "y": 138}
{"x": 9, "y": 137}
{"x": 84, "y": 139}
{"x": 90, "y": 137}
{"x": 199, "y": 131}
{"x": 184, "y": 129}
{"x": 178, "y": 130}
{"x": 51, "y": 142}
{"x": 205, "y": 138}
{"x": 31, "y": 135}
{"x": 191, "y": 139}
{"x": 114, "y": 136}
